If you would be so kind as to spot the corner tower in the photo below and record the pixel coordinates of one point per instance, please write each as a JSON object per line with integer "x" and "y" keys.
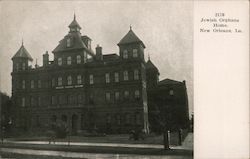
{"x": 130, "y": 46}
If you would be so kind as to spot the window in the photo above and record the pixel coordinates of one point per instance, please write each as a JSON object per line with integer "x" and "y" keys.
{"x": 136, "y": 74}
{"x": 59, "y": 81}
{"x": 69, "y": 60}
{"x": 23, "y": 84}
{"x": 118, "y": 119}
{"x": 59, "y": 61}
{"x": 107, "y": 78}
{"x": 32, "y": 101}
{"x": 107, "y": 96}
{"x": 23, "y": 66}
{"x": 125, "y": 75}
{"x": 53, "y": 100}
{"x": 135, "y": 53}
{"x": 116, "y": 77}
{"x": 69, "y": 80}
{"x": 39, "y": 102}
{"x": 23, "y": 101}
{"x": 126, "y": 94}
{"x": 137, "y": 94}
{"x": 91, "y": 79}
{"x": 78, "y": 59}
{"x": 91, "y": 98}
{"x": 53, "y": 82}
{"x": 85, "y": 57}
{"x": 17, "y": 66}
{"x": 68, "y": 42}
{"x": 79, "y": 79}
{"x": 125, "y": 54}
{"x": 39, "y": 84}
{"x": 32, "y": 84}
{"x": 79, "y": 99}
{"x": 171, "y": 92}
{"x": 117, "y": 96}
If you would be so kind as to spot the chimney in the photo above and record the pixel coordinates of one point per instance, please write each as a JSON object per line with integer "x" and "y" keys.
{"x": 98, "y": 51}
{"x": 46, "y": 59}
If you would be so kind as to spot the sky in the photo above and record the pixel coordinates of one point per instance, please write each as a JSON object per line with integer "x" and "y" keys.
{"x": 165, "y": 27}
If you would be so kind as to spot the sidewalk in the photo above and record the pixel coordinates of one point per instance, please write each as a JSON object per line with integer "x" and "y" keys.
{"x": 121, "y": 148}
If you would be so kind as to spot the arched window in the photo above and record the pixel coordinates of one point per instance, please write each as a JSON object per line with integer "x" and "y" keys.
{"x": 59, "y": 61}
{"x": 125, "y": 54}
{"x": 135, "y": 53}
{"x": 78, "y": 59}
{"x": 69, "y": 60}
{"x": 69, "y": 80}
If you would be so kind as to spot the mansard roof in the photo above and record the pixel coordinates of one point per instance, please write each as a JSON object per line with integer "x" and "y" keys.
{"x": 129, "y": 38}
{"x": 22, "y": 53}
{"x": 76, "y": 43}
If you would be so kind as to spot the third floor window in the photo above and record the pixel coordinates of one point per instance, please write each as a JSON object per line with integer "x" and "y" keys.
{"x": 135, "y": 53}
{"x": 59, "y": 61}
{"x": 125, "y": 54}
{"x": 78, "y": 59}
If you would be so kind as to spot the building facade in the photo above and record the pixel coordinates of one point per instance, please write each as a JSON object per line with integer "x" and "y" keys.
{"x": 82, "y": 88}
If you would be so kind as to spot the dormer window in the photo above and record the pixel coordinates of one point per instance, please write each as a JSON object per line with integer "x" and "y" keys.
{"x": 68, "y": 42}
{"x": 171, "y": 92}
{"x": 125, "y": 54}
{"x": 135, "y": 53}
{"x": 23, "y": 66}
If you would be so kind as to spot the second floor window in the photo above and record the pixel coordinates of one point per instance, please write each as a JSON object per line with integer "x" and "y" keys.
{"x": 126, "y": 94}
{"x": 107, "y": 78}
{"x": 91, "y": 79}
{"x": 108, "y": 96}
{"x": 116, "y": 77}
{"x": 53, "y": 82}
{"x": 23, "y": 102}
{"x": 23, "y": 84}
{"x": 69, "y": 80}
{"x": 59, "y": 81}
{"x": 69, "y": 60}
{"x": 136, "y": 74}
{"x": 137, "y": 94}
{"x": 117, "y": 96}
{"x": 125, "y": 75}
{"x": 59, "y": 61}
{"x": 78, "y": 59}
{"x": 79, "y": 79}
{"x": 32, "y": 84}
{"x": 39, "y": 84}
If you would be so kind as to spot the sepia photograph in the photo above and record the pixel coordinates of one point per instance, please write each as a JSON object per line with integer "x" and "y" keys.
{"x": 96, "y": 79}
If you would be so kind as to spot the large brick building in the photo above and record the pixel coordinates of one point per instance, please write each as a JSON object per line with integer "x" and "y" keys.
{"x": 81, "y": 88}
{"x": 85, "y": 89}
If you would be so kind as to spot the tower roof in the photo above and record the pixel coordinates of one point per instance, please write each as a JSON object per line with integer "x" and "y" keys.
{"x": 130, "y": 37}
{"x": 22, "y": 53}
{"x": 74, "y": 23}
{"x": 150, "y": 65}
